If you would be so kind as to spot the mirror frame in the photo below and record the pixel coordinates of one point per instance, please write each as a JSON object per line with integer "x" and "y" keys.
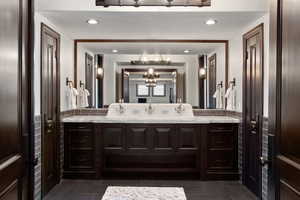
{"x": 77, "y": 41}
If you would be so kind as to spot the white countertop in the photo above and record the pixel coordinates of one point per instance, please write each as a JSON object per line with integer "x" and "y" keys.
{"x": 189, "y": 120}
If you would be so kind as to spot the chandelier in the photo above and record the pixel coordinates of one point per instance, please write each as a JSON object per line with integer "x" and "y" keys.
{"x": 150, "y": 77}
{"x": 168, "y": 3}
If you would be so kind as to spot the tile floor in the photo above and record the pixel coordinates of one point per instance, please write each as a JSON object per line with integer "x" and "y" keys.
{"x": 195, "y": 190}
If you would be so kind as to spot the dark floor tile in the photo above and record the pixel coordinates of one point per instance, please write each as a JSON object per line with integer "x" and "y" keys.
{"x": 195, "y": 190}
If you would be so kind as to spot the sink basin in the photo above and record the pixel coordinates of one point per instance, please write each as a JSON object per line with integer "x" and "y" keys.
{"x": 132, "y": 111}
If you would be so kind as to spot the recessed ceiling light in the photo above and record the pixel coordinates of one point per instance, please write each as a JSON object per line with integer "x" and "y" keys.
{"x": 115, "y": 51}
{"x": 211, "y": 22}
{"x": 187, "y": 51}
{"x": 92, "y": 21}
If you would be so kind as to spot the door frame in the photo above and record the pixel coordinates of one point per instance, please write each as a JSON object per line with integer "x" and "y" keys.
{"x": 46, "y": 29}
{"x": 28, "y": 97}
{"x": 274, "y": 96}
{"x": 246, "y": 36}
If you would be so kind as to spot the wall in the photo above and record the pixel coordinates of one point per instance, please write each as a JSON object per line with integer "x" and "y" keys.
{"x": 110, "y": 66}
{"x": 66, "y": 61}
{"x": 236, "y": 61}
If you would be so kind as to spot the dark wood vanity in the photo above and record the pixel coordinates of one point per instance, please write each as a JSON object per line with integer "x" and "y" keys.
{"x": 202, "y": 151}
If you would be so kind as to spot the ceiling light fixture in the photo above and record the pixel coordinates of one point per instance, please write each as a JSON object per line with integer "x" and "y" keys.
{"x": 150, "y": 77}
{"x": 211, "y": 22}
{"x": 115, "y": 51}
{"x": 92, "y": 21}
{"x": 137, "y": 3}
{"x": 187, "y": 51}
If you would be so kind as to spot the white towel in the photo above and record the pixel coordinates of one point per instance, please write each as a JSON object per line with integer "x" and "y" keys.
{"x": 71, "y": 95}
{"x": 231, "y": 98}
{"x": 219, "y": 96}
{"x": 83, "y": 101}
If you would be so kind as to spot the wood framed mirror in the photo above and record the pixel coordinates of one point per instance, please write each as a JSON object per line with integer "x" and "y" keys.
{"x": 193, "y": 56}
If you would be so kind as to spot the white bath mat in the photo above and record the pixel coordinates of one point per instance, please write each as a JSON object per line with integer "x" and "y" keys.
{"x": 144, "y": 193}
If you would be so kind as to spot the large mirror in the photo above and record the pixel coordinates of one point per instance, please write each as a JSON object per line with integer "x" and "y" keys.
{"x": 152, "y": 71}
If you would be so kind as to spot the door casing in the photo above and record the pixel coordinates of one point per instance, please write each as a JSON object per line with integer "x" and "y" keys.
{"x": 50, "y": 31}
{"x": 257, "y": 30}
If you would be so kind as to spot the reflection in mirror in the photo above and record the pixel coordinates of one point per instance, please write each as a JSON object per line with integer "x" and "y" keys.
{"x": 138, "y": 87}
{"x": 154, "y": 72}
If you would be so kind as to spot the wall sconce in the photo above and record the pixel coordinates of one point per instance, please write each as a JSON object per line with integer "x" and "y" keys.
{"x": 81, "y": 84}
{"x": 100, "y": 72}
{"x": 202, "y": 73}
{"x": 68, "y": 81}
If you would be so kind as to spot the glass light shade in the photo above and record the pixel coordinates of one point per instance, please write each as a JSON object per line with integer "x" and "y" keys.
{"x": 150, "y": 70}
{"x": 100, "y": 72}
{"x": 202, "y": 72}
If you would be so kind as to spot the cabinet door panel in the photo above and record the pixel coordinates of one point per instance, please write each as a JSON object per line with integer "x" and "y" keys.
{"x": 164, "y": 138}
{"x": 113, "y": 138}
{"x": 137, "y": 138}
{"x": 188, "y": 138}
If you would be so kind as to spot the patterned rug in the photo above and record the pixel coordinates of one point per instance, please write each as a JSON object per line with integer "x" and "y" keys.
{"x": 144, "y": 193}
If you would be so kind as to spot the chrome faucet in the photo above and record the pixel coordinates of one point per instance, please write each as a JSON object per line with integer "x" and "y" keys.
{"x": 149, "y": 109}
{"x": 180, "y": 108}
{"x": 121, "y": 107}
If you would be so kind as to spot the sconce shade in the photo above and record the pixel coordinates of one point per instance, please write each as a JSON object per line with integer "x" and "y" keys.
{"x": 202, "y": 73}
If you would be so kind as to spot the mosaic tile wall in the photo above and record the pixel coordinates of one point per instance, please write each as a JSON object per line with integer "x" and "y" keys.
{"x": 37, "y": 153}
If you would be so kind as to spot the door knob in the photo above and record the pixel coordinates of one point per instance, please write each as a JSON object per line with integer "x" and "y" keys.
{"x": 264, "y": 161}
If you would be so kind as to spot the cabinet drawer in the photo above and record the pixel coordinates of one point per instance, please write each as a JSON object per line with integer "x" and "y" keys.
{"x": 220, "y": 160}
{"x": 221, "y": 128}
{"x": 220, "y": 140}
{"x": 78, "y": 126}
{"x": 80, "y": 139}
{"x": 79, "y": 159}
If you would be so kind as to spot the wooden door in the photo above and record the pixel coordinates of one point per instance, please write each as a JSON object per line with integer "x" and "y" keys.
{"x": 89, "y": 77}
{"x": 13, "y": 100}
{"x": 212, "y": 80}
{"x": 201, "y": 83}
{"x": 50, "y": 108}
{"x": 253, "y": 108}
{"x": 285, "y": 84}
{"x": 125, "y": 86}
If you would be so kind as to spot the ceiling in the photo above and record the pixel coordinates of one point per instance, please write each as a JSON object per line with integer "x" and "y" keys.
{"x": 153, "y": 48}
{"x": 216, "y": 6}
{"x": 159, "y": 25}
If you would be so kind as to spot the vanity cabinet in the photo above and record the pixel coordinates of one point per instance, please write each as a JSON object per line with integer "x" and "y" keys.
{"x": 80, "y": 151}
{"x": 205, "y": 151}
{"x": 221, "y": 152}
{"x": 150, "y": 148}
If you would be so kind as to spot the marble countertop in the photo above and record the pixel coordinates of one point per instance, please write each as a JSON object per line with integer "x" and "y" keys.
{"x": 118, "y": 120}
